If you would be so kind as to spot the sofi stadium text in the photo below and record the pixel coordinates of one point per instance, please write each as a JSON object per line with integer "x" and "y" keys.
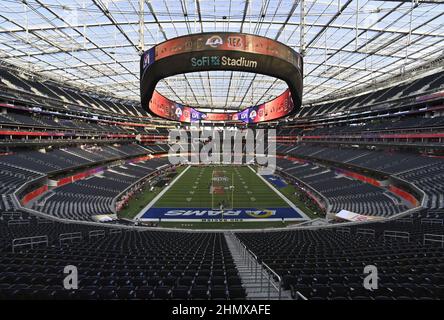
{"x": 223, "y": 310}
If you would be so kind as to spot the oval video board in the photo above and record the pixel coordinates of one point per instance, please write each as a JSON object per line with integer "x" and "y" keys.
{"x": 221, "y": 51}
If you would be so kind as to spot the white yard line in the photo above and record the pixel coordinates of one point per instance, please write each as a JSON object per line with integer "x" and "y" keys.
{"x": 291, "y": 204}
{"x": 156, "y": 198}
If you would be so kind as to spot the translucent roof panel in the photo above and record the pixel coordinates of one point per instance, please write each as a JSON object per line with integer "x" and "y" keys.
{"x": 95, "y": 44}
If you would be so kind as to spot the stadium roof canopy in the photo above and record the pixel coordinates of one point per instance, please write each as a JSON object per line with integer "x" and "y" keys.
{"x": 95, "y": 44}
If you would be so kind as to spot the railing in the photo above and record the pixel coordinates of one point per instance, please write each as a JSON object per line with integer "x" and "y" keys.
{"x": 44, "y": 221}
{"x": 96, "y": 233}
{"x": 300, "y": 296}
{"x": 262, "y": 272}
{"x": 255, "y": 266}
{"x": 271, "y": 273}
{"x": 21, "y": 242}
{"x": 405, "y": 220}
{"x": 397, "y": 234}
{"x": 11, "y": 216}
{"x": 410, "y": 185}
{"x": 432, "y": 221}
{"x": 345, "y": 230}
{"x": 265, "y": 273}
{"x": 16, "y": 222}
{"x": 366, "y": 232}
{"x": 429, "y": 237}
{"x": 70, "y": 236}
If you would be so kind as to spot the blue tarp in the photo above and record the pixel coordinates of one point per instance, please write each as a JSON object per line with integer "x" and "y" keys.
{"x": 276, "y": 181}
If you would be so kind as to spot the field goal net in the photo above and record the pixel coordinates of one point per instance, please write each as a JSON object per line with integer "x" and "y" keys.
{"x": 222, "y": 190}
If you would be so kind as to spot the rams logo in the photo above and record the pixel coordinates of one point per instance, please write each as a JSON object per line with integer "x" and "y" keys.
{"x": 261, "y": 213}
{"x": 178, "y": 112}
{"x": 214, "y": 41}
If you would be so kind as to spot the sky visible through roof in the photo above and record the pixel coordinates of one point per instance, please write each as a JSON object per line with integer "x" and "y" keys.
{"x": 95, "y": 43}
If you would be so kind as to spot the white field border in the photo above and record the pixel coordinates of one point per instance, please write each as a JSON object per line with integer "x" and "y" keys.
{"x": 156, "y": 198}
{"x": 291, "y": 204}
{"x": 152, "y": 202}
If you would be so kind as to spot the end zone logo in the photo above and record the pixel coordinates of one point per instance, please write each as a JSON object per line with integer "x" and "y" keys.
{"x": 261, "y": 213}
{"x": 204, "y": 213}
{"x": 214, "y": 41}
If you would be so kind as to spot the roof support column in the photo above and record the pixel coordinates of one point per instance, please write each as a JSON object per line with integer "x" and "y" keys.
{"x": 409, "y": 36}
{"x": 141, "y": 45}
{"x": 357, "y": 27}
{"x": 302, "y": 29}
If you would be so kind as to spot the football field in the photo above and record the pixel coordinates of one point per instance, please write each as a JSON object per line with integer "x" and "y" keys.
{"x": 207, "y": 193}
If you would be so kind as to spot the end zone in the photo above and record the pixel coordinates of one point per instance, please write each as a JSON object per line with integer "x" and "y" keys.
{"x": 208, "y": 214}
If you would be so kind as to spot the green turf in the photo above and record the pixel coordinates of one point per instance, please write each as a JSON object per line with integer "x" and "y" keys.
{"x": 192, "y": 190}
{"x": 142, "y": 199}
{"x": 289, "y": 193}
{"x": 138, "y": 203}
{"x": 201, "y": 198}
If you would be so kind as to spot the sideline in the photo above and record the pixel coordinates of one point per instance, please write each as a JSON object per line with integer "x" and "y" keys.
{"x": 291, "y": 204}
{"x": 152, "y": 202}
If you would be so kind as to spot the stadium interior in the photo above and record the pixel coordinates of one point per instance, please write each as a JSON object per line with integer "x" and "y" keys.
{"x": 87, "y": 183}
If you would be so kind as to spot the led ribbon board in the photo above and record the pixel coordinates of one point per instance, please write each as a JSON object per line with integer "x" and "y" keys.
{"x": 221, "y": 51}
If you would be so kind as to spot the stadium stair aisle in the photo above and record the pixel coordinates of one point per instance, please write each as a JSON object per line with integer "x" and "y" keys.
{"x": 250, "y": 281}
